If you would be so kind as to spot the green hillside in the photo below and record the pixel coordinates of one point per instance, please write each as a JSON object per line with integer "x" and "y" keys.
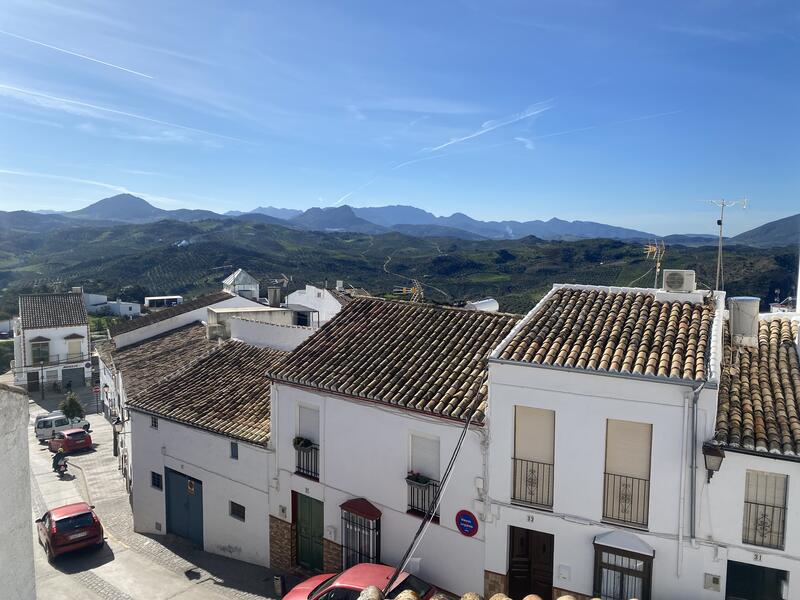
{"x": 131, "y": 260}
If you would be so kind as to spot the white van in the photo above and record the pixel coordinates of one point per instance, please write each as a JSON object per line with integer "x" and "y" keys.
{"x": 46, "y": 427}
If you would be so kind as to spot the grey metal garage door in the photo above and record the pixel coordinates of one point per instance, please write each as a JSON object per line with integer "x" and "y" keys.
{"x": 74, "y": 375}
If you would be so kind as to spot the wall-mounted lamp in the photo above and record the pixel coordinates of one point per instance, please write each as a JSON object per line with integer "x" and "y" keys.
{"x": 713, "y": 456}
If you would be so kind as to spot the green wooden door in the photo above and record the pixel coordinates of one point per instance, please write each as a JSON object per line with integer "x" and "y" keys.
{"x": 309, "y": 533}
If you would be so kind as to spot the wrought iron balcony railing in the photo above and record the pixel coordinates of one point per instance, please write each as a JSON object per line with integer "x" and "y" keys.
{"x": 626, "y": 500}
{"x": 533, "y": 483}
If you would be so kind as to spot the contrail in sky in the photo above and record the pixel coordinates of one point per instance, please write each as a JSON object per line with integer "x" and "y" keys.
{"x": 71, "y": 53}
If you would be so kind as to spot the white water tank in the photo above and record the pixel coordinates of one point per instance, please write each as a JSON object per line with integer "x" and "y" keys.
{"x": 485, "y": 305}
{"x": 744, "y": 320}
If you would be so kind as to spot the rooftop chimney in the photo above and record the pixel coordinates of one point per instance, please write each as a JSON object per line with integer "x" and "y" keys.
{"x": 339, "y": 285}
{"x": 274, "y": 295}
{"x": 77, "y": 290}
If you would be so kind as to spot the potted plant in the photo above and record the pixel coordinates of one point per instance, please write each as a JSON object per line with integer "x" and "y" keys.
{"x": 418, "y": 479}
{"x": 301, "y": 443}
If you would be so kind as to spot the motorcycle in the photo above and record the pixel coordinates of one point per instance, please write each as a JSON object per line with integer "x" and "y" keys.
{"x": 61, "y": 468}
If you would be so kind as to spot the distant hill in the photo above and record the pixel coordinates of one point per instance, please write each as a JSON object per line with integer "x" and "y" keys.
{"x": 436, "y": 231}
{"x": 339, "y": 218}
{"x": 122, "y": 207}
{"x": 278, "y": 213}
{"x": 782, "y": 232}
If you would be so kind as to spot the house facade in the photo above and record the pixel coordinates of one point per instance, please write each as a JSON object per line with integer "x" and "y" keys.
{"x": 321, "y": 304}
{"x": 401, "y": 381}
{"x": 51, "y": 341}
{"x": 202, "y": 465}
{"x": 598, "y": 400}
{"x": 241, "y": 283}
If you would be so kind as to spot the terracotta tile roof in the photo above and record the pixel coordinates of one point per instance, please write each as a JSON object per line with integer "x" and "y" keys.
{"x": 418, "y": 356}
{"x": 347, "y": 295}
{"x": 759, "y": 394}
{"x": 629, "y": 332}
{"x": 52, "y": 310}
{"x": 151, "y": 360}
{"x": 167, "y": 313}
{"x": 224, "y": 392}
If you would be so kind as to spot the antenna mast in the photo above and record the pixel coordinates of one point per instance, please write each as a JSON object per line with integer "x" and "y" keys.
{"x": 655, "y": 250}
{"x": 722, "y": 205}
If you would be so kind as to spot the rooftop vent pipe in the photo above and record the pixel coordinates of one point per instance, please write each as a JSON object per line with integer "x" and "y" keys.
{"x": 486, "y": 305}
{"x": 744, "y": 320}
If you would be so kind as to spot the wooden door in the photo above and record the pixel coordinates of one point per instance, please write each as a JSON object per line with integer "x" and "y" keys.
{"x": 530, "y": 563}
{"x": 309, "y": 532}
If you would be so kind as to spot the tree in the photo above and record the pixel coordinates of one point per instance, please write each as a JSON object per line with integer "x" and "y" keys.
{"x": 72, "y": 407}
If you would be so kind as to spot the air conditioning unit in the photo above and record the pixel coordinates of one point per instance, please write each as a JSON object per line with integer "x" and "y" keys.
{"x": 676, "y": 280}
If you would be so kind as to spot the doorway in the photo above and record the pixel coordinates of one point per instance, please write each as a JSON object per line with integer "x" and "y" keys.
{"x": 753, "y": 582}
{"x": 310, "y": 526}
{"x": 184, "y": 498}
{"x": 530, "y": 563}
{"x": 33, "y": 381}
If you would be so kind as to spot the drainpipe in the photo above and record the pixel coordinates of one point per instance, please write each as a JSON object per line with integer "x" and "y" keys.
{"x": 692, "y": 522}
{"x": 682, "y": 501}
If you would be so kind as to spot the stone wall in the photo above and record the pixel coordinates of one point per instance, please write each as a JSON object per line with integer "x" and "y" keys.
{"x": 282, "y": 544}
{"x": 493, "y": 583}
{"x": 331, "y": 556}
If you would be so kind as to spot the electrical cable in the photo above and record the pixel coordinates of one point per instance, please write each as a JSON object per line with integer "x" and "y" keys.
{"x": 434, "y": 505}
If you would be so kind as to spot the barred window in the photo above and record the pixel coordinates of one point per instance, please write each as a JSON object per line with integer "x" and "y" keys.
{"x": 237, "y": 510}
{"x": 764, "y": 509}
{"x": 620, "y": 575}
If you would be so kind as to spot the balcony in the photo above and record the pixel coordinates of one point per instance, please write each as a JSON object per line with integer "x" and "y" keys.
{"x": 533, "y": 483}
{"x": 626, "y": 500}
{"x": 47, "y": 360}
{"x": 764, "y": 525}
{"x": 421, "y": 492}
{"x": 307, "y": 458}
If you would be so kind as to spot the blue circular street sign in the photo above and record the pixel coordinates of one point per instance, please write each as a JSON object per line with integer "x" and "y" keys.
{"x": 467, "y": 523}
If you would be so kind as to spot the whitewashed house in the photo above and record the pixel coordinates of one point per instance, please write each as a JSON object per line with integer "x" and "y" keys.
{"x": 366, "y": 414}
{"x": 202, "y": 462}
{"x": 51, "y": 341}
{"x": 643, "y": 446}
{"x": 241, "y": 283}
{"x": 316, "y": 306}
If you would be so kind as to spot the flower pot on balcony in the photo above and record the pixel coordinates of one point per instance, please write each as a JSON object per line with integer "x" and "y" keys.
{"x": 419, "y": 480}
{"x": 302, "y": 444}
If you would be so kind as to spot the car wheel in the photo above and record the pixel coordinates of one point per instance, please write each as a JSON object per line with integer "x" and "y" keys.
{"x": 50, "y": 556}
{"x": 99, "y": 545}
{"x": 86, "y": 427}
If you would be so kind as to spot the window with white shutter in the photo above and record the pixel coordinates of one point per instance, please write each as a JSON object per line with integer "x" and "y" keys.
{"x": 626, "y": 497}
{"x": 306, "y": 443}
{"x": 764, "y": 509}
{"x": 423, "y": 474}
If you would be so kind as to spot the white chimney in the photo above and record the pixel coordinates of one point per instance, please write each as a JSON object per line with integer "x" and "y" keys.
{"x": 744, "y": 320}
{"x": 485, "y": 305}
{"x": 339, "y": 285}
{"x": 77, "y": 290}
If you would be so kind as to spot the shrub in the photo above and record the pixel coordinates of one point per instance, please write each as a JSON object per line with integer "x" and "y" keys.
{"x": 72, "y": 407}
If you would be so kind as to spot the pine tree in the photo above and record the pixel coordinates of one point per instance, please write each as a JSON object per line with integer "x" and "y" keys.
{"x": 72, "y": 407}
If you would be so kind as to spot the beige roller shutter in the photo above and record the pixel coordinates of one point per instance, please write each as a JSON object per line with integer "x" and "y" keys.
{"x": 534, "y": 434}
{"x": 628, "y": 448}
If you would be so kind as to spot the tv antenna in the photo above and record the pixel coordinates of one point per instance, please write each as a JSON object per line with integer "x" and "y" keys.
{"x": 655, "y": 251}
{"x": 415, "y": 292}
{"x": 723, "y": 204}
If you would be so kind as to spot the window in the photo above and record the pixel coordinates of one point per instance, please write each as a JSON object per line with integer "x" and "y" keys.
{"x": 74, "y": 349}
{"x": 307, "y": 442}
{"x": 234, "y": 451}
{"x": 236, "y": 510}
{"x": 360, "y": 539}
{"x": 764, "y": 509}
{"x": 620, "y": 575}
{"x": 423, "y": 474}
{"x": 154, "y": 422}
{"x": 626, "y": 494}
{"x": 302, "y": 319}
{"x": 40, "y": 352}
{"x": 156, "y": 481}
{"x": 533, "y": 456}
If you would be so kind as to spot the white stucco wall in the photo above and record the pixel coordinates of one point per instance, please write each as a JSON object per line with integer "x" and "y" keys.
{"x": 319, "y": 299}
{"x": 269, "y": 335}
{"x": 364, "y": 452}
{"x": 583, "y": 403}
{"x": 16, "y": 548}
{"x": 200, "y": 314}
{"x": 206, "y": 457}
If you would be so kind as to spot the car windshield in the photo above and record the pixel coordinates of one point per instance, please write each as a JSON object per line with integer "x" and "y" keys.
{"x": 75, "y": 522}
{"x": 411, "y": 583}
{"x": 322, "y": 586}
{"x": 77, "y": 435}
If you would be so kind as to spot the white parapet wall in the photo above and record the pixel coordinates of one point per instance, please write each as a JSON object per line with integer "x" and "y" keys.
{"x": 16, "y": 546}
{"x": 269, "y": 335}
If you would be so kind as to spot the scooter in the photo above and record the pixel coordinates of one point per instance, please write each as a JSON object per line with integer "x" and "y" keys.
{"x": 61, "y": 468}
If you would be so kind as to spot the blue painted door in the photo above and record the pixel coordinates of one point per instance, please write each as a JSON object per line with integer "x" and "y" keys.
{"x": 184, "y": 499}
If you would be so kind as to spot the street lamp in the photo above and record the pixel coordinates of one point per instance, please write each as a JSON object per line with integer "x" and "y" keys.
{"x": 117, "y": 428}
{"x": 713, "y": 456}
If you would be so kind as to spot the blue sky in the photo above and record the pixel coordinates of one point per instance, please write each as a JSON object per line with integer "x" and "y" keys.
{"x": 625, "y": 113}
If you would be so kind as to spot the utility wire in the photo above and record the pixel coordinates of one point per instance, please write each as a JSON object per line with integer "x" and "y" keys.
{"x": 426, "y": 520}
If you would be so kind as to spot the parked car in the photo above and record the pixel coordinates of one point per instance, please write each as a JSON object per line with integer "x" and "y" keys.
{"x": 43, "y": 416}
{"x": 49, "y": 425}
{"x": 69, "y": 528}
{"x": 71, "y": 440}
{"x": 348, "y": 584}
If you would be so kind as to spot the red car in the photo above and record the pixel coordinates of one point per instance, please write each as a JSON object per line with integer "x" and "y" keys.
{"x": 69, "y": 528}
{"x": 348, "y": 584}
{"x": 71, "y": 440}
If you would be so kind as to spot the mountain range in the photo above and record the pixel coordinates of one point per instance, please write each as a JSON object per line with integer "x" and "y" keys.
{"x": 409, "y": 220}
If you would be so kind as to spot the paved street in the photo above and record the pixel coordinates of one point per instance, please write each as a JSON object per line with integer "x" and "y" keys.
{"x": 130, "y": 565}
